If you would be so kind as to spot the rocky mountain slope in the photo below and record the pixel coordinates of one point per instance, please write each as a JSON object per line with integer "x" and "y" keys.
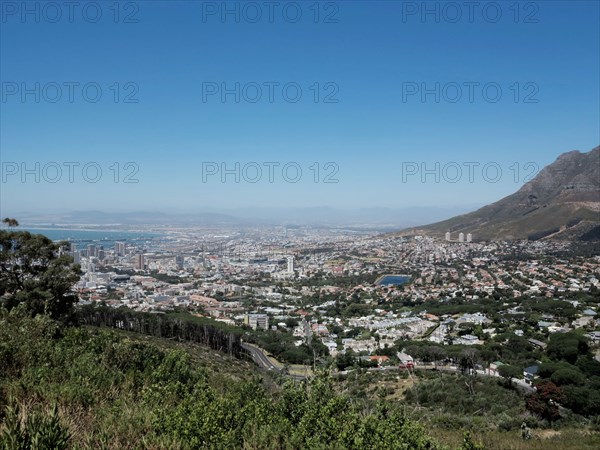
{"x": 562, "y": 201}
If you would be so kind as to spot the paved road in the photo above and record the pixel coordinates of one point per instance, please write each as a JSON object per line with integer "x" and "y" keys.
{"x": 263, "y": 361}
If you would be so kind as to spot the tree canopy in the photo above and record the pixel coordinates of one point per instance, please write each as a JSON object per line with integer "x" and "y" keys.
{"x": 34, "y": 272}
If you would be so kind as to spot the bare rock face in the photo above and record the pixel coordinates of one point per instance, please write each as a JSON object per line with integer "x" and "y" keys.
{"x": 573, "y": 177}
{"x": 562, "y": 201}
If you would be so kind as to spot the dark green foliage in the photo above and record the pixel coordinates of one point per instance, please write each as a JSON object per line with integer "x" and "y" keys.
{"x": 584, "y": 400}
{"x": 34, "y": 273}
{"x": 567, "y": 376}
{"x": 345, "y": 359}
{"x": 588, "y": 365}
{"x": 548, "y": 369}
{"x": 575, "y": 371}
{"x": 283, "y": 347}
{"x": 508, "y": 372}
{"x": 296, "y": 355}
{"x": 567, "y": 346}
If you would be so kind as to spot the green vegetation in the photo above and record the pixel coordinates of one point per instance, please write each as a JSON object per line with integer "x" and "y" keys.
{"x": 484, "y": 405}
{"x": 509, "y": 372}
{"x": 573, "y": 372}
{"x": 35, "y": 273}
{"x": 94, "y": 388}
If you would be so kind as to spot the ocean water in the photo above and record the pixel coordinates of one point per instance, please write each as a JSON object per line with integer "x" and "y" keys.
{"x": 82, "y": 238}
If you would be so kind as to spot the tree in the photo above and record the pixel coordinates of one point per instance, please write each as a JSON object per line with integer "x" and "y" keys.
{"x": 10, "y": 222}
{"x": 345, "y": 359}
{"x": 33, "y": 272}
{"x": 509, "y": 372}
{"x": 467, "y": 362}
{"x": 544, "y": 402}
{"x": 567, "y": 346}
{"x": 568, "y": 376}
{"x": 582, "y": 400}
{"x": 435, "y": 354}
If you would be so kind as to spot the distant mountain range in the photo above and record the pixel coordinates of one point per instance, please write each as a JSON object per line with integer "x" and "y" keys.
{"x": 383, "y": 219}
{"x": 562, "y": 202}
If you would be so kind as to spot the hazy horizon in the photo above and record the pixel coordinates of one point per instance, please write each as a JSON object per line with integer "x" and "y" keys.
{"x": 392, "y": 218}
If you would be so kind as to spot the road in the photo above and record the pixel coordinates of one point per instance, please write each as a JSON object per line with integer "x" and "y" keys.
{"x": 263, "y": 361}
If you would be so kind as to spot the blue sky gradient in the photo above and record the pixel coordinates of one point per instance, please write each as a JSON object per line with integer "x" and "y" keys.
{"x": 371, "y": 133}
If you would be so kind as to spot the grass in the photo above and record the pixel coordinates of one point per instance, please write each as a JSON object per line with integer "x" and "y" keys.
{"x": 569, "y": 439}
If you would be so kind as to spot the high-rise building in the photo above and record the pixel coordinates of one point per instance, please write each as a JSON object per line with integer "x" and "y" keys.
{"x": 120, "y": 248}
{"x": 91, "y": 250}
{"x": 139, "y": 261}
{"x": 447, "y": 235}
{"x": 290, "y": 264}
{"x": 73, "y": 248}
{"x": 76, "y": 257}
{"x": 461, "y": 237}
{"x": 179, "y": 261}
{"x": 469, "y": 237}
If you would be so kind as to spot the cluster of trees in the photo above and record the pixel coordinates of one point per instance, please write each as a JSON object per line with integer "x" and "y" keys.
{"x": 569, "y": 374}
{"x": 180, "y": 327}
{"x": 567, "y": 363}
{"x": 573, "y": 373}
{"x": 34, "y": 271}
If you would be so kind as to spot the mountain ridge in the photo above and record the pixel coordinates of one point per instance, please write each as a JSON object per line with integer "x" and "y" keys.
{"x": 561, "y": 201}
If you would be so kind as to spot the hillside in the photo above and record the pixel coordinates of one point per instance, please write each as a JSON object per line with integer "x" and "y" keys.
{"x": 93, "y": 388}
{"x": 562, "y": 201}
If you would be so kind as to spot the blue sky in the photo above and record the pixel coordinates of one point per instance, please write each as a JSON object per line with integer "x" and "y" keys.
{"x": 370, "y": 59}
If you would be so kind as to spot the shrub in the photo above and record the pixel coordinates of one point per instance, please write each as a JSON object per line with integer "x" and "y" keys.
{"x": 34, "y": 431}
